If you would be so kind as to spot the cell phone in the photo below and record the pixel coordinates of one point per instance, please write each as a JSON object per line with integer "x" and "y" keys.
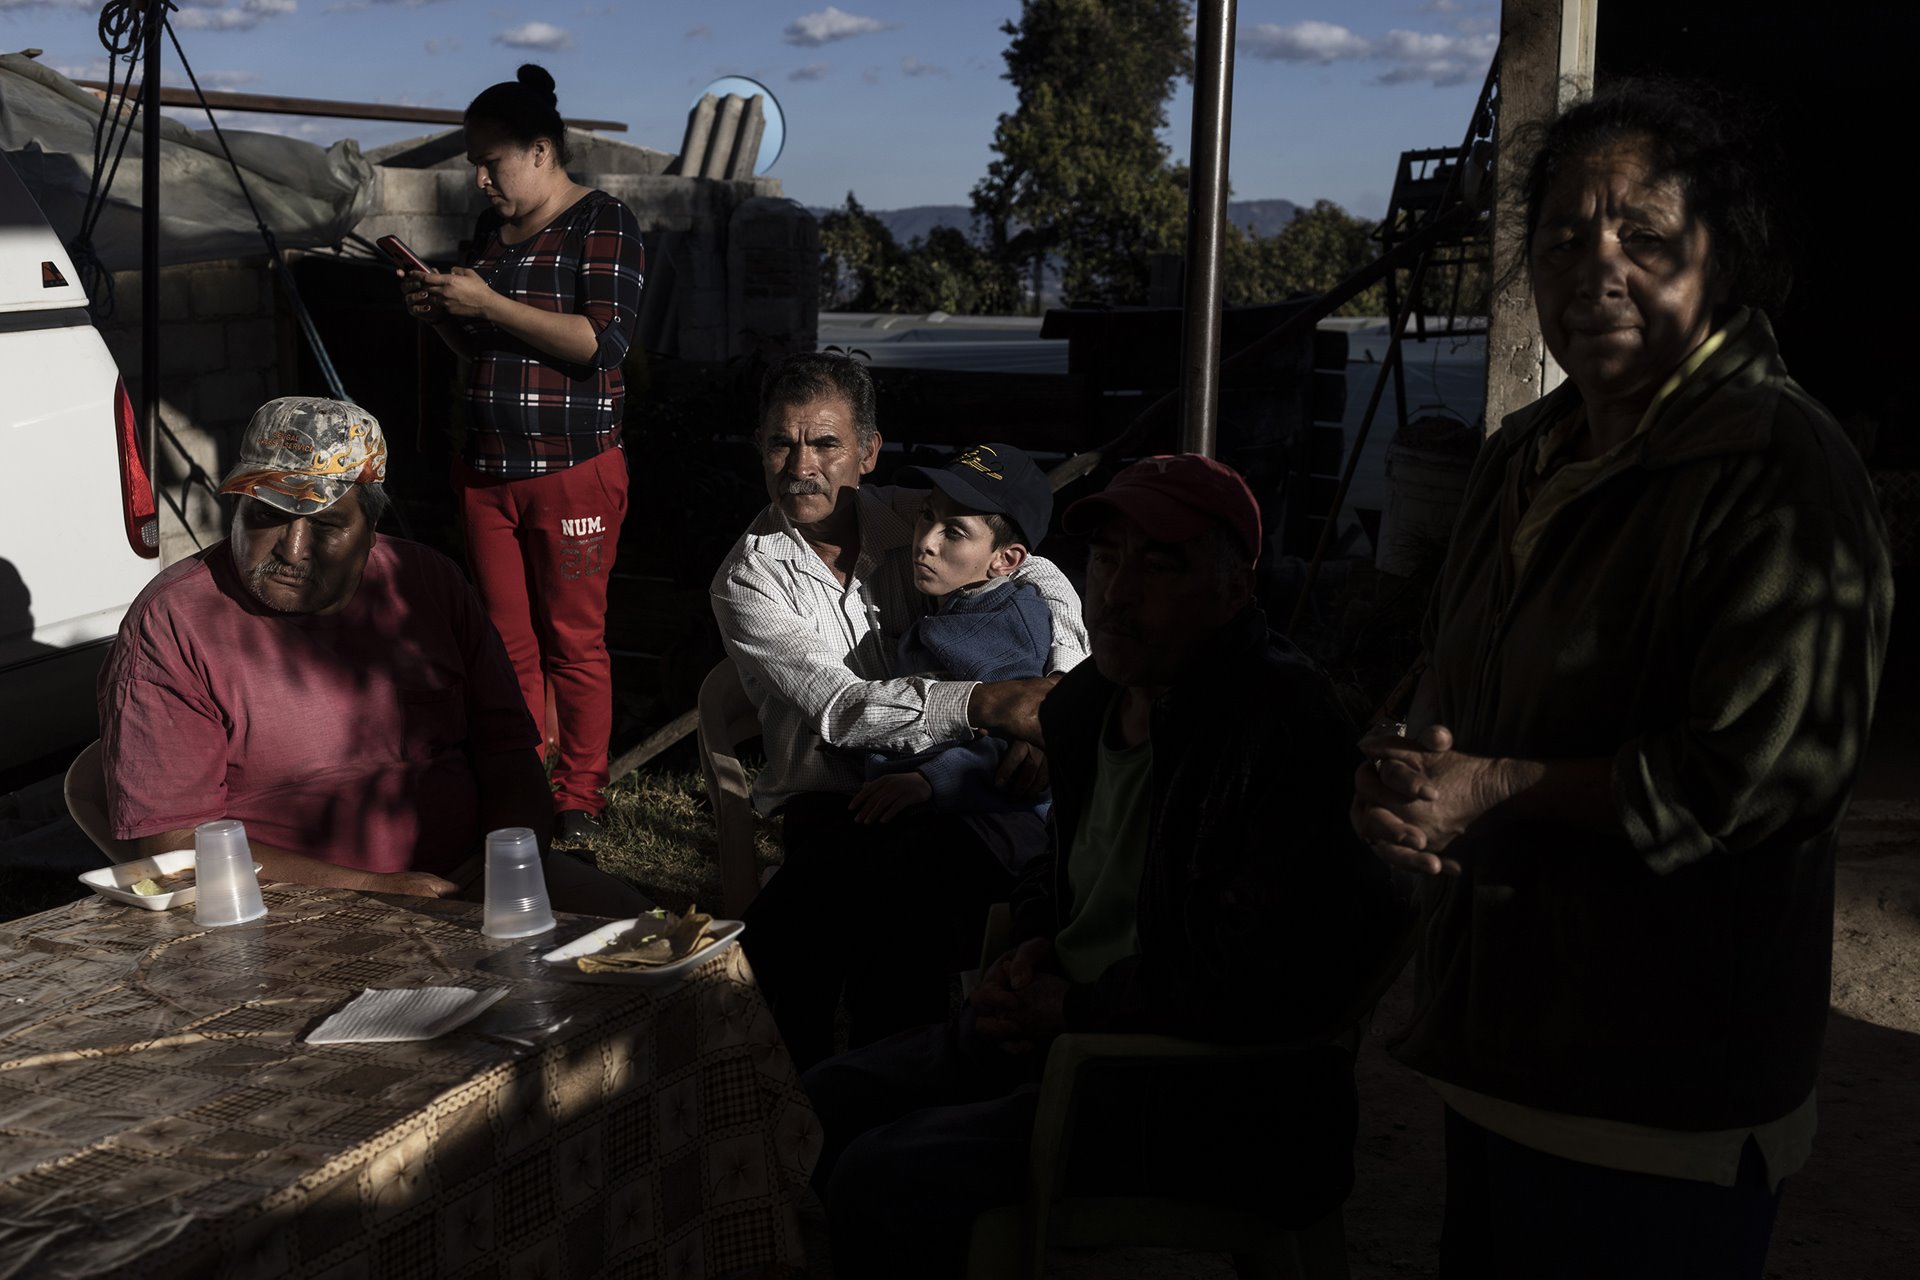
{"x": 403, "y": 257}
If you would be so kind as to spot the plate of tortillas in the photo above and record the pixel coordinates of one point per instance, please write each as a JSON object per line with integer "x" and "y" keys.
{"x": 656, "y": 947}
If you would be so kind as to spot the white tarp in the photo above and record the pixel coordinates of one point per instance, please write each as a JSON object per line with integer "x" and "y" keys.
{"x": 308, "y": 196}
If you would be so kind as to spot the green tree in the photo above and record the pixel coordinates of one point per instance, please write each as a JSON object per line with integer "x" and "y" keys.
{"x": 948, "y": 272}
{"x": 1318, "y": 249}
{"x": 862, "y": 268}
{"x": 857, "y": 253}
{"x": 1080, "y": 171}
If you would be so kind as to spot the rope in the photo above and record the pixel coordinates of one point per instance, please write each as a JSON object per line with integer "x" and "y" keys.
{"x": 285, "y": 277}
{"x": 281, "y": 274}
{"x": 122, "y": 31}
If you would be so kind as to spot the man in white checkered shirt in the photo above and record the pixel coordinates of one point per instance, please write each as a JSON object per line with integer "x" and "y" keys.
{"x": 811, "y": 603}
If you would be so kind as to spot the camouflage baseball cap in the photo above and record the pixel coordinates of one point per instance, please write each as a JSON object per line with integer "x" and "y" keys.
{"x": 300, "y": 453}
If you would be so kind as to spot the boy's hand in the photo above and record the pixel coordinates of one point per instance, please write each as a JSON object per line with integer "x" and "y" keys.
{"x": 890, "y": 795}
{"x": 1022, "y": 771}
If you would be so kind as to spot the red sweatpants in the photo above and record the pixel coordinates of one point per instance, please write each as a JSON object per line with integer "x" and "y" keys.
{"x": 542, "y": 550}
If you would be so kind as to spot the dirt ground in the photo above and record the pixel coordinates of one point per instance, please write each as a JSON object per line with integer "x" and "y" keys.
{"x": 1852, "y": 1214}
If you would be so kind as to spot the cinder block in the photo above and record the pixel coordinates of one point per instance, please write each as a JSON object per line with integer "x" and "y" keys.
{"x": 177, "y": 400}
{"x": 199, "y": 347}
{"x": 709, "y": 344}
{"x": 457, "y": 193}
{"x": 227, "y": 291}
{"x": 704, "y": 308}
{"x": 228, "y": 399}
{"x": 702, "y": 266}
{"x": 404, "y": 191}
{"x": 126, "y": 295}
{"x": 660, "y": 203}
{"x": 176, "y": 301}
{"x": 252, "y": 344}
{"x": 432, "y": 237}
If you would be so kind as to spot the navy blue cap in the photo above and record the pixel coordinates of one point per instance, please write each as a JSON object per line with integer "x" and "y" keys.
{"x": 994, "y": 478}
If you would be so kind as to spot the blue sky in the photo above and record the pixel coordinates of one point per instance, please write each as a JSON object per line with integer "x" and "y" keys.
{"x": 893, "y": 99}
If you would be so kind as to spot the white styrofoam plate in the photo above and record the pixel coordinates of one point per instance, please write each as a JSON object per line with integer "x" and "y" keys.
{"x": 723, "y": 932}
{"x": 111, "y": 882}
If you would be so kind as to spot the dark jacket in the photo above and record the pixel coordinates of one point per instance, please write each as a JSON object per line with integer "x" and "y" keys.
{"x": 1001, "y": 634}
{"x": 1261, "y": 917}
{"x": 1710, "y": 611}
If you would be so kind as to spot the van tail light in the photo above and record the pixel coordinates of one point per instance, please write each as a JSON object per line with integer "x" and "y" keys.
{"x": 136, "y": 489}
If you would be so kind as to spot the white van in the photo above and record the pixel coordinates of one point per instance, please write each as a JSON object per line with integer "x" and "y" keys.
{"x": 78, "y": 537}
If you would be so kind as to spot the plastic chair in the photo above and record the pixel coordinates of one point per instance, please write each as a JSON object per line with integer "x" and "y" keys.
{"x": 727, "y": 718}
{"x": 1013, "y": 1241}
{"x": 86, "y": 791}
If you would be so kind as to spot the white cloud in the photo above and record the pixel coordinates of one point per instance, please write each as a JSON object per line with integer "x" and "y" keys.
{"x": 45, "y": 4}
{"x": 828, "y": 25}
{"x": 912, "y": 66}
{"x": 536, "y": 35}
{"x": 317, "y": 131}
{"x": 870, "y": 75}
{"x": 95, "y": 70}
{"x": 219, "y": 79}
{"x": 1408, "y": 57}
{"x": 812, "y": 71}
{"x": 1441, "y": 6}
{"x": 219, "y": 15}
{"x": 1309, "y": 41}
{"x": 449, "y": 45}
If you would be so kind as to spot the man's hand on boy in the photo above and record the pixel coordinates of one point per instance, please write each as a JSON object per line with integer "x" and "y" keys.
{"x": 1011, "y": 708}
{"x": 890, "y": 795}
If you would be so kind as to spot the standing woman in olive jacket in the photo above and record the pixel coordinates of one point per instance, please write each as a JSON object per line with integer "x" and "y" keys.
{"x": 1651, "y": 661}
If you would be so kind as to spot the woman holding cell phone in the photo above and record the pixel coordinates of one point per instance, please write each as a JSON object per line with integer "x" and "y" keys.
{"x": 543, "y": 313}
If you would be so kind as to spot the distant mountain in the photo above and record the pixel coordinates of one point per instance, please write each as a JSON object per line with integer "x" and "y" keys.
{"x": 913, "y": 224}
{"x": 1262, "y": 217}
{"x": 1265, "y": 217}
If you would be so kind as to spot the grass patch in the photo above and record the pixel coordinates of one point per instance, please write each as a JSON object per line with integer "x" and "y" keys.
{"x": 660, "y": 837}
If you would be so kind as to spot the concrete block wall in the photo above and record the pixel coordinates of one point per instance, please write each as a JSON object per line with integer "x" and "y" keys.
{"x": 433, "y": 210}
{"x": 719, "y": 312}
{"x": 773, "y": 278}
{"x": 222, "y": 345}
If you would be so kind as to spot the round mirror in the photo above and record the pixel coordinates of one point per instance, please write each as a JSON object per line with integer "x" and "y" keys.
{"x": 775, "y": 136}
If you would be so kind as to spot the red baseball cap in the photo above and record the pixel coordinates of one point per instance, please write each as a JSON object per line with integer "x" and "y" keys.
{"x": 1174, "y": 497}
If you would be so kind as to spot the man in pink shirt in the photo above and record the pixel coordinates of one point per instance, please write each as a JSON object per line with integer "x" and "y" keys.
{"x": 341, "y": 693}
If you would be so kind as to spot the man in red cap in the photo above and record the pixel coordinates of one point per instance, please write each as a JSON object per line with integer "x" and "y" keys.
{"x": 1201, "y": 882}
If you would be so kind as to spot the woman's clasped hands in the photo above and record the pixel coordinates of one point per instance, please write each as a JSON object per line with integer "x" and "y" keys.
{"x": 1415, "y": 795}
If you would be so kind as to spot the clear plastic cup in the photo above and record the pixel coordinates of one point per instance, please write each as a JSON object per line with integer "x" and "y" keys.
{"x": 516, "y": 904}
{"x": 227, "y": 888}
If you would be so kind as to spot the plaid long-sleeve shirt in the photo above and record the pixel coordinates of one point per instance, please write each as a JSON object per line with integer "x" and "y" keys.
{"x": 530, "y": 413}
{"x": 816, "y": 657}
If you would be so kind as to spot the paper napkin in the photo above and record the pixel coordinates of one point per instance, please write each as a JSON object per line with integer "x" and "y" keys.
{"x": 419, "y": 1014}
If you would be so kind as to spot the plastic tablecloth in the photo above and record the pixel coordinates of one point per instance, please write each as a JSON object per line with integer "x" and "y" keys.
{"x": 161, "y": 1116}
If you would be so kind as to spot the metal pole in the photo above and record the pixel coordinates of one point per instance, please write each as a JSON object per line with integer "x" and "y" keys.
{"x": 156, "y": 22}
{"x": 1206, "y": 212}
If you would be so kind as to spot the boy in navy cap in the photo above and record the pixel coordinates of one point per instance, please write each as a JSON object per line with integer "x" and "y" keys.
{"x": 985, "y": 511}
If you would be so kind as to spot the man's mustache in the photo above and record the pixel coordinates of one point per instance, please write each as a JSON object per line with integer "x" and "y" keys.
{"x": 802, "y": 488}
{"x": 282, "y": 569}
